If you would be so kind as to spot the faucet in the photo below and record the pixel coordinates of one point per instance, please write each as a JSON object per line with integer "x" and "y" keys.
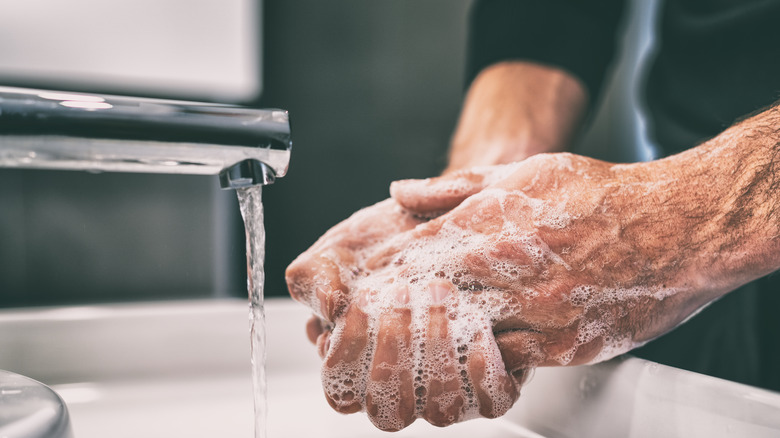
{"x": 100, "y": 133}
{"x": 75, "y": 131}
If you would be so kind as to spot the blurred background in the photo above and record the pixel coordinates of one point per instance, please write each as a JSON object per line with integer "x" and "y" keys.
{"x": 373, "y": 89}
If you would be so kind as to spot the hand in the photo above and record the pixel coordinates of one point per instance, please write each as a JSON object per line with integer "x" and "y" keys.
{"x": 573, "y": 260}
{"x": 318, "y": 277}
{"x": 552, "y": 261}
{"x": 557, "y": 260}
{"x": 377, "y": 360}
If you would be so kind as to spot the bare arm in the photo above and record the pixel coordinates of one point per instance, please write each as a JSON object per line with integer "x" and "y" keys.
{"x": 650, "y": 242}
{"x": 729, "y": 185}
{"x": 514, "y": 110}
{"x": 555, "y": 260}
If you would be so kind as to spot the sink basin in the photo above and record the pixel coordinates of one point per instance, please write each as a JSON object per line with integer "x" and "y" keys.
{"x": 29, "y": 409}
{"x": 182, "y": 369}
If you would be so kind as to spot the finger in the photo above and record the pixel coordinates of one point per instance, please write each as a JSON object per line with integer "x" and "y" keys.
{"x": 430, "y": 196}
{"x": 545, "y": 308}
{"x": 314, "y": 328}
{"x": 587, "y": 351}
{"x": 315, "y": 280}
{"x": 385, "y": 254}
{"x": 441, "y": 397}
{"x": 323, "y": 344}
{"x": 368, "y": 226}
{"x": 522, "y": 349}
{"x": 494, "y": 389}
{"x": 344, "y": 369}
{"x": 390, "y": 400}
{"x": 557, "y": 346}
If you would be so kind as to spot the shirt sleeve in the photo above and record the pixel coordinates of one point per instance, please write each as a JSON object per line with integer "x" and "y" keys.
{"x": 574, "y": 35}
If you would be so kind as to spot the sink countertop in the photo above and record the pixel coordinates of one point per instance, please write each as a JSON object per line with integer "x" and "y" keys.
{"x": 182, "y": 369}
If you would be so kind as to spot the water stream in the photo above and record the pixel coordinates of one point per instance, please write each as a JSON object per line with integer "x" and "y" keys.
{"x": 249, "y": 200}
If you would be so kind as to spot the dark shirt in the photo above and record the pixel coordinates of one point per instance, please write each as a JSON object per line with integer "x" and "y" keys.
{"x": 715, "y": 61}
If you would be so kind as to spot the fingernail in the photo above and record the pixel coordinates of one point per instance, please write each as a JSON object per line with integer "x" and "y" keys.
{"x": 439, "y": 292}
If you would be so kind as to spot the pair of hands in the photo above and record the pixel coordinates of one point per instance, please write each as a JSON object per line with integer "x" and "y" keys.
{"x": 438, "y": 302}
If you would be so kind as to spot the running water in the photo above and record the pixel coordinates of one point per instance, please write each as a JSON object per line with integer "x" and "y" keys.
{"x": 249, "y": 200}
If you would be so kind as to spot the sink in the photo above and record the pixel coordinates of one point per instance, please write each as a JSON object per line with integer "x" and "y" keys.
{"x": 30, "y": 409}
{"x": 181, "y": 368}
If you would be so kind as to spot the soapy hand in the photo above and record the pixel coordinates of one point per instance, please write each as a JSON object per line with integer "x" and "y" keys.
{"x": 320, "y": 276}
{"x": 438, "y": 303}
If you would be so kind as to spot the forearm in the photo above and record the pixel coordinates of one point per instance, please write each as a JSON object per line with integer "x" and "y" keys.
{"x": 727, "y": 192}
{"x": 746, "y": 229}
{"x": 514, "y": 110}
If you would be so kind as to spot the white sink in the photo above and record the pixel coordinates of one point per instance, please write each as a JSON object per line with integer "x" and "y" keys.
{"x": 181, "y": 369}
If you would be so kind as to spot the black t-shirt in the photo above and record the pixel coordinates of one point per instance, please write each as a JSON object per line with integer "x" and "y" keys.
{"x": 716, "y": 61}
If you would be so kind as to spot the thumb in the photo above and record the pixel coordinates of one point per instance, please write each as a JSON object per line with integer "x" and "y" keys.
{"x": 432, "y": 196}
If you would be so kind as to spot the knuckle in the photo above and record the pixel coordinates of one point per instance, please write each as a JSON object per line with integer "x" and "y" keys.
{"x": 333, "y": 302}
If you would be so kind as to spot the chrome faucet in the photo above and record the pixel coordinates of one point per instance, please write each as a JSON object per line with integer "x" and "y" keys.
{"x": 77, "y": 131}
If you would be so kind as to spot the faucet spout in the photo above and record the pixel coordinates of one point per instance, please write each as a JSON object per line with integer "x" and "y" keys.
{"x": 76, "y": 131}
{"x": 245, "y": 174}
